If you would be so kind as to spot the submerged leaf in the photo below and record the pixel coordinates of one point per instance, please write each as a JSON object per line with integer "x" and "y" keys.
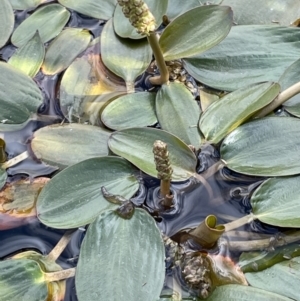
{"x": 136, "y": 144}
{"x": 29, "y": 57}
{"x": 49, "y": 20}
{"x": 128, "y": 253}
{"x": 7, "y": 21}
{"x": 64, "y": 49}
{"x": 244, "y": 57}
{"x": 73, "y": 198}
{"x": 225, "y": 115}
{"x": 264, "y": 147}
{"x": 64, "y": 145}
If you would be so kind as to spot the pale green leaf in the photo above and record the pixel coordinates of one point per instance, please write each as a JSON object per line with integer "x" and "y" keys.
{"x": 121, "y": 259}
{"x": 25, "y": 4}
{"x": 178, "y": 113}
{"x": 73, "y": 197}
{"x": 64, "y": 49}
{"x": 64, "y": 145}
{"x": 136, "y": 145}
{"x": 29, "y": 57}
{"x": 223, "y": 116}
{"x": 7, "y": 21}
{"x": 49, "y": 20}
{"x": 195, "y": 31}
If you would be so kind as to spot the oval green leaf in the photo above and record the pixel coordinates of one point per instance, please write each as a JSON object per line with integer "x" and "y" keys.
{"x": 97, "y": 9}
{"x": 281, "y": 12}
{"x": 131, "y": 110}
{"x": 121, "y": 259}
{"x": 124, "y": 29}
{"x": 73, "y": 197}
{"x": 7, "y": 21}
{"x": 277, "y": 202}
{"x": 124, "y": 57}
{"x": 64, "y": 145}
{"x": 49, "y": 20}
{"x": 235, "y": 292}
{"x": 25, "y": 4}
{"x": 223, "y": 116}
{"x": 136, "y": 144}
{"x": 178, "y": 113}
{"x": 195, "y": 31}
{"x": 64, "y": 49}
{"x": 19, "y": 95}
{"x": 244, "y": 57}
{"x": 29, "y": 58}
{"x": 282, "y": 278}
{"x": 264, "y": 147}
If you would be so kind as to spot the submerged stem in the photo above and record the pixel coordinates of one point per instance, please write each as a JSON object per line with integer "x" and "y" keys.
{"x": 160, "y": 62}
{"x": 60, "y": 275}
{"x": 279, "y": 100}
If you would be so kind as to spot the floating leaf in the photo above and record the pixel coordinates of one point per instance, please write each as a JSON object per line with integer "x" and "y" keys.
{"x": 64, "y": 145}
{"x": 178, "y": 113}
{"x": 290, "y": 77}
{"x": 281, "y": 12}
{"x": 3, "y": 177}
{"x": 49, "y": 20}
{"x": 131, "y": 110}
{"x": 19, "y": 95}
{"x": 235, "y": 292}
{"x": 177, "y": 7}
{"x": 207, "y": 97}
{"x": 126, "y": 58}
{"x": 264, "y": 147}
{"x": 97, "y": 9}
{"x": 225, "y": 115}
{"x": 64, "y": 49}
{"x": 136, "y": 144}
{"x": 282, "y": 278}
{"x": 7, "y": 21}
{"x": 25, "y": 4}
{"x": 73, "y": 198}
{"x": 86, "y": 85}
{"x": 29, "y": 58}
{"x": 127, "y": 253}
{"x": 124, "y": 29}
{"x": 244, "y": 57}
{"x": 277, "y": 202}
{"x": 195, "y": 31}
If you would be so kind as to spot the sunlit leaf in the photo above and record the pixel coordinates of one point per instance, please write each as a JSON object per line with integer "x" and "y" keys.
{"x": 73, "y": 198}
{"x": 282, "y": 278}
{"x": 235, "y": 292}
{"x": 19, "y": 95}
{"x": 225, "y": 115}
{"x": 277, "y": 202}
{"x": 64, "y": 145}
{"x": 136, "y": 145}
{"x": 195, "y": 31}
{"x": 123, "y": 27}
{"x": 264, "y": 147}
{"x": 86, "y": 85}
{"x": 244, "y": 57}
{"x": 178, "y": 7}
{"x": 178, "y": 113}
{"x": 7, "y": 21}
{"x": 25, "y": 4}
{"x": 121, "y": 259}
{"x": 207, "y": 98}
{"x": 49, "y": 20}
{"x": 124, "y": 57}
{"x": 64, "y": 49}
{"x": 96, "y": 9}
{"x": 29, "y": 57}
{"x": 131, "y": 110}
{"x": 282, "y": 12}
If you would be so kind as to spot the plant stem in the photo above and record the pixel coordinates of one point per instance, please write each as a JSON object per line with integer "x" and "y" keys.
{"x": 15, "y": 160}
{"x": 60, "y": 246}
{"x": 279, "y": 100}
{"x": 2, "y": 151}
{"x": 160, "y": 62}
{"x": 239, "y": 222}
{"x": 60, "y": 275}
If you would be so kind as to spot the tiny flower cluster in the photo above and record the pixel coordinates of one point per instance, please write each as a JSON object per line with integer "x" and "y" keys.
{"x": 139, "y": 15}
